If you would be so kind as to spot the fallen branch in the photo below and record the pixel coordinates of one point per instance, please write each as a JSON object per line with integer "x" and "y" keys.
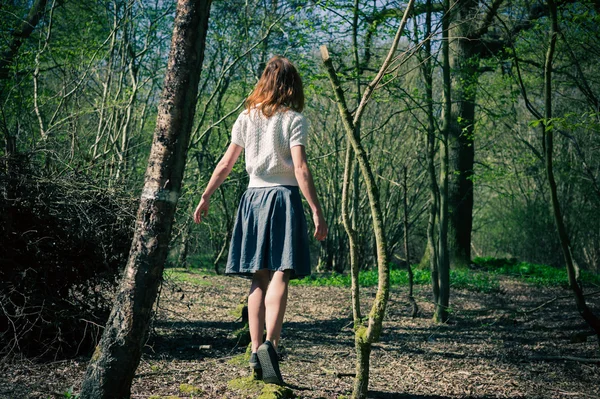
{"x": 548, "y": 302}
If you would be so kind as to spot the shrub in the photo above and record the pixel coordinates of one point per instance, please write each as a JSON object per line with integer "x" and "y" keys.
{"x": 63, "y": 241}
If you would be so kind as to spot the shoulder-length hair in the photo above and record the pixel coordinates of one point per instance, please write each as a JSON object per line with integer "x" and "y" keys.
{"x": 279, "y": 87}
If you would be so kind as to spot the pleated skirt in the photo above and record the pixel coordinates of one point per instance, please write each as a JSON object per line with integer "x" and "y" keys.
{"x": 270, "y": 232}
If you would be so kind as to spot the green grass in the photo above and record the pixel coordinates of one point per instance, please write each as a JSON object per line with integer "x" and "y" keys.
{"x": 192, "y": 276}
{"x": 536, "y": 274}
{"x": 367, "y": 278}
{"x": 484, "y": 278}
{"x": 474, "y": 281}
{"x": 461, "y": 279}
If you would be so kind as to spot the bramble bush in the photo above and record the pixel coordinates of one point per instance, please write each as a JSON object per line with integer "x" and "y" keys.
{"x": 63, "y": 243}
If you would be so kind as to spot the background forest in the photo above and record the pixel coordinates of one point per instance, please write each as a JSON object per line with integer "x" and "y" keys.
{"x": 79, "y": 88}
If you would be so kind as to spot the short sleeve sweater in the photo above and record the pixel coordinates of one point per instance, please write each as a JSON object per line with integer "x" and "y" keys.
{"x": 267, "y": 143}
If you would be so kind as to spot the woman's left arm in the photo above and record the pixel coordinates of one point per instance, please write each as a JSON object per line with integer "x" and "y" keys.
{"x": 219, "y": 175}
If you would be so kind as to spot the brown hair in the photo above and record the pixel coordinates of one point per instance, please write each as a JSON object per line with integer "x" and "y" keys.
{"x": 280, "y": 86}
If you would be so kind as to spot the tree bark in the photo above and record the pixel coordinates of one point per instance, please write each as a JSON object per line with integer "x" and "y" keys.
{"x": 411, "y": 298}
{"x": 353, "y": 249}
{"x": 427, "y": 70}
{"x": 112, "y": 367}
{"x": 441, "y": 305}
{"x": 461, "y": 150}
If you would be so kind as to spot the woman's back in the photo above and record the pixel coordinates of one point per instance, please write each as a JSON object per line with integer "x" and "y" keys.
{"x": 267, "y": 142}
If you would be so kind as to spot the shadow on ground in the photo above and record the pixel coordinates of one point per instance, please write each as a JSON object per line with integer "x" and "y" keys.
{"x": 394, "y": 395}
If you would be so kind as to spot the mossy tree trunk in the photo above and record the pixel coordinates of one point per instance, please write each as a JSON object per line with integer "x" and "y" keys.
{"x": 365, "y": 336}
{"x": 353, "y": 249}
{"x": 113, "y": 365}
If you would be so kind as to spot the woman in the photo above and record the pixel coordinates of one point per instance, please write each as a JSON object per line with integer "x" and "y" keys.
{"x": 270, "y": 240}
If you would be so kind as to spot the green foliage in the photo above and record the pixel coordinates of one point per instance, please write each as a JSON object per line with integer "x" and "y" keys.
{"x": 200, "y": 261}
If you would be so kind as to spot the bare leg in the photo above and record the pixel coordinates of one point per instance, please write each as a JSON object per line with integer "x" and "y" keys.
{"x": 256, "y": 307}
{"x": 275, "y": 303}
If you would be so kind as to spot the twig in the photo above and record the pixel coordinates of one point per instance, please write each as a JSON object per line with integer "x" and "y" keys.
{"x": 337, "y": 374}
{"x": 570, "y": 358}
{"x": 152, "y": 373}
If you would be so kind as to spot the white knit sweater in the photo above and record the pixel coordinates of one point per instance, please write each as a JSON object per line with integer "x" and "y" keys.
{"x": 267, "y": 143}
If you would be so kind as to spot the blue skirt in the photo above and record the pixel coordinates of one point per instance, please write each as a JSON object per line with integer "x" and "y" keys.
{"x": 270, "y": 232}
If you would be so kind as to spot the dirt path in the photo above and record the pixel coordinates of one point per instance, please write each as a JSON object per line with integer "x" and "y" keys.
{"x": 487, "y": 351}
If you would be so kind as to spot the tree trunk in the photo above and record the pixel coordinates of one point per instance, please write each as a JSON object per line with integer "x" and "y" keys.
{"x": 113, "y": 365}
{"x": 411, "y": 298}
{"x": 363, "y": 354}
{"x": 464, "y": 65}
{"x": 353, "y": 249}
{"x": 223, "y": 250}
{"x": 431, "y": 254}
{"x": 467, "y": 49}
{"x": 184, "y": 246}
{"x": 547, "y": 132}
{"x": 441, "y": 305}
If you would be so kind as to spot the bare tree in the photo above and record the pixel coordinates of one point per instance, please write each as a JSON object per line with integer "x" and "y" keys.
{"x": 365, "y": 336}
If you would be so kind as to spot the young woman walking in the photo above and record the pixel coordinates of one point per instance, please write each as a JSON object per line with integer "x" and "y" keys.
{"x": 270, "y": 241}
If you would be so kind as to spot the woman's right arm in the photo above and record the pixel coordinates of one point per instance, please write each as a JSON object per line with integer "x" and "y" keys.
{"x": 307, "y": 186}
{"x": 219, "y": 175}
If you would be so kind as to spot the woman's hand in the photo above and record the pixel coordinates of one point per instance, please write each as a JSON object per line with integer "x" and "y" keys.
{"x": 202, "y": 209}
{"x": 320, "y": 226}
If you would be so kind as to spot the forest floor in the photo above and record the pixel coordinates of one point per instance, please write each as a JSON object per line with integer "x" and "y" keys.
{"x": 496, "y": 345}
